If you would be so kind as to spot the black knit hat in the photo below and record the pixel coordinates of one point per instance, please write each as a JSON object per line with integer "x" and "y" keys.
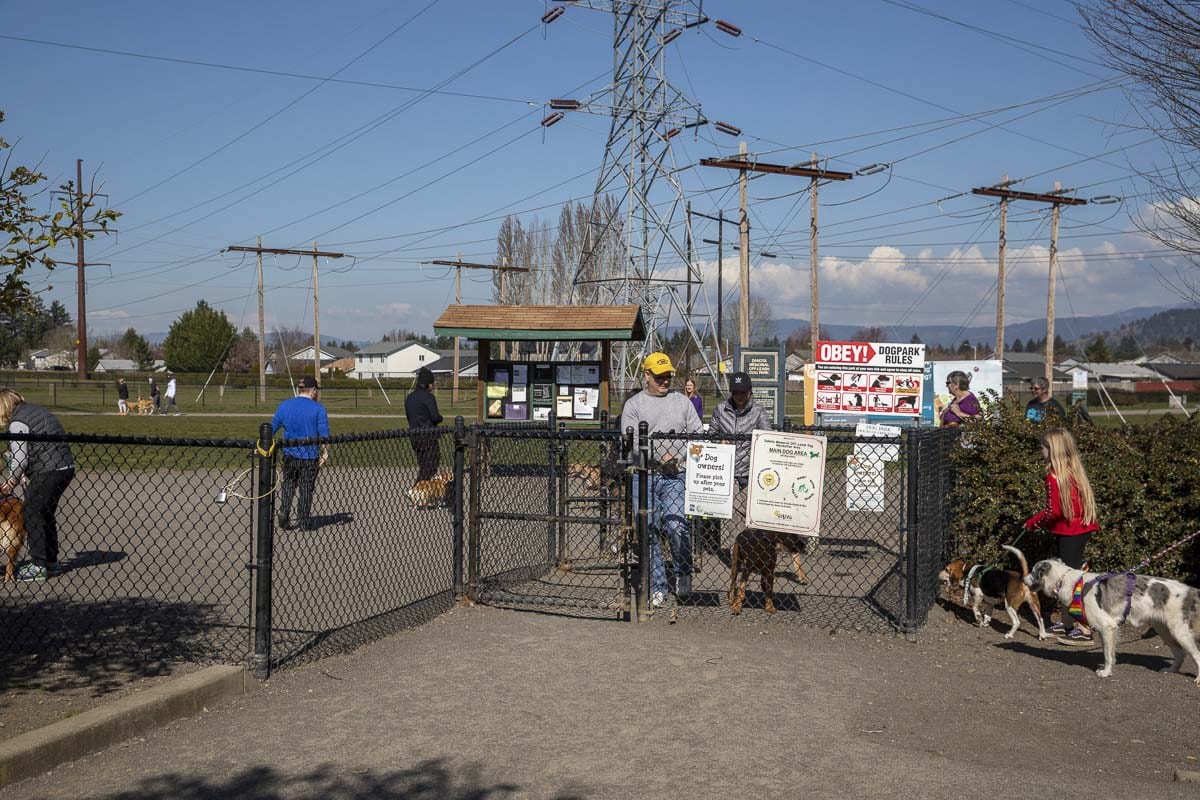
{"x": 424, "y": 377}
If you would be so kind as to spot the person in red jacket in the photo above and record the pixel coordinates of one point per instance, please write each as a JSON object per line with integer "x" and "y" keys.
{"x": 1070, "y": 512}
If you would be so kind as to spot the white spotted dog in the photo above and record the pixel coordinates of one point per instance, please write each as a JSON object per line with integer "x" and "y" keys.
{"x": 1109, "y": 599}
{"x": 994, "y": 588}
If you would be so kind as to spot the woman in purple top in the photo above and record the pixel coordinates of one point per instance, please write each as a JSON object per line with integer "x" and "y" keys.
{"x": 963, "y": 406}
{"x": 689, "y": 388}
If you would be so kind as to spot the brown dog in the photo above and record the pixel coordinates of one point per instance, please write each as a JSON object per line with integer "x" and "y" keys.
{"x": 994, "y": 587}
{"x": 12, "y": 532}
{"x": 431, "y": 493}
{"x": 140, "y": 406}
{"x": 758, "y": 551}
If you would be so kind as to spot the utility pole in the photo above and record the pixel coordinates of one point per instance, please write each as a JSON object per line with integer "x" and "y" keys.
{"x": 744, "y": 242}
{"x": 459, "y": 265}
{"x": 813, "y": 306}
{"x": 316, "y": 321}
{"x": 1056, "y": 199}
{"x": 81, "y": 347}
{"x": 262, "y": 333}
{"x": 1000, "y": 274}
{"x": 283, "y": 251}
{"x": 745, "y": 164}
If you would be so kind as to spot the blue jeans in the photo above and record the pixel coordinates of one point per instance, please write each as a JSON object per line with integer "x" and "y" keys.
{"x": 666, "y": 515}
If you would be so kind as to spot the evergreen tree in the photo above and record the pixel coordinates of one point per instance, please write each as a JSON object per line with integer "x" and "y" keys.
{"x": 199, "y": 340}
{"x": 1097, "y": 351}
{"x": 1126, "y": 349}
{"x": 1017, "y": 346}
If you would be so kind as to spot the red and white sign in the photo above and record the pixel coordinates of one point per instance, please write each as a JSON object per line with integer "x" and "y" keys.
{"x": 870, "y": 378}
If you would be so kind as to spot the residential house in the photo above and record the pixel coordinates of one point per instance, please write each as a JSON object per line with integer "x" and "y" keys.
{"x": 329, "y": 354}
{"x": 468, "y": 364}
{"x": 1021, "y": 368}
{"x": 392, "y": 360}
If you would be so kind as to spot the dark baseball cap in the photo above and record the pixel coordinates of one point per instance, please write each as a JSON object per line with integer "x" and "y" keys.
{"x": 739, "y": 382}
{"x": 308, "y": 382}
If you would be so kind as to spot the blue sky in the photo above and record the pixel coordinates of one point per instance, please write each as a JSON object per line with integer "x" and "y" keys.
{"x": 198, "y": 157}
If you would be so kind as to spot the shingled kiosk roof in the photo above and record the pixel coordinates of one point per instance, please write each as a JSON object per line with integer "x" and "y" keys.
{"x": 550, "y": 323}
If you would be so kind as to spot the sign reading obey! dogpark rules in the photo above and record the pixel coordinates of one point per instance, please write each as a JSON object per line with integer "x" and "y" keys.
{"x": 787, "y": 482}
{"x": 708, "y": 489}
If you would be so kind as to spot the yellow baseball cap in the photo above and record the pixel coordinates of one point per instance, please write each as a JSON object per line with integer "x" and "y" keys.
{"x": 658, "y": 363}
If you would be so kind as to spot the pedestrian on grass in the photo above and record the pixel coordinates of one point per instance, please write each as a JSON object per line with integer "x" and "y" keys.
{"x": 665, "y": 411}
{"x": 421, "y": 409}
{"x": 171, "y": 387}
{"x": 1070, "y": 512}
{"x": 45, "y": 469}
{"x": 301, "y": 417}
{"x": 155, "y": 395}
{"x": 122, "y": 397}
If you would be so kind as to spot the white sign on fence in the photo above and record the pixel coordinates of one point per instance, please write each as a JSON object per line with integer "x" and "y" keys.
{"x": 708, "y": 482}
{"x": 865, "y": 482}
{"x": 787, "y": 482}
{"x": 879, "y": 452}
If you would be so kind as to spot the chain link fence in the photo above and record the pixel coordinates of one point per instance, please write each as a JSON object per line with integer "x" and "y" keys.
{"x": 177, "y": 550}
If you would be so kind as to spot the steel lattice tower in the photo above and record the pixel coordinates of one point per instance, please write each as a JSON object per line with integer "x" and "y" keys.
{"x": 646, "y": 112}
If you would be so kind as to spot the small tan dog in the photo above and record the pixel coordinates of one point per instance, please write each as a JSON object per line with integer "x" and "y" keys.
{"x": 431, "y": 493}
{"x": 12, "y": 532}
{"x": 142, "y": 406}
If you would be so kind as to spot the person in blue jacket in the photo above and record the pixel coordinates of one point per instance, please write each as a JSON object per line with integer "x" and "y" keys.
{"x": 301, "y": 417}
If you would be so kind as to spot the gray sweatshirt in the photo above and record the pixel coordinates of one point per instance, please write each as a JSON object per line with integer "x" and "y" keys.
{"x": 671, "y": 412}
{"x": 727, "y": 419}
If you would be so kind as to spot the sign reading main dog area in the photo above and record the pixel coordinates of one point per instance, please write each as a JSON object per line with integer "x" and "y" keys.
{"x": 787, "y": 482}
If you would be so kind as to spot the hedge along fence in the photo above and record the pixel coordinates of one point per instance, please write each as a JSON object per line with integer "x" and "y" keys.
{"x": 1146, "y": 479}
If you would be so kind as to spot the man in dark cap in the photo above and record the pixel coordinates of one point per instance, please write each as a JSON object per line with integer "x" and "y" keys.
{"x": 739, "y": 415}
{"x": 301, "y": 417}
{"x": 421, "y": 408}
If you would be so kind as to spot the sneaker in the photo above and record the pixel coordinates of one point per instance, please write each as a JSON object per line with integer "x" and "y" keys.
{"x": 32, "y": 573}
{"x": 656, "y": 600}
{"x": 1058, "y": 627}
{"x": 1079, "y": 634}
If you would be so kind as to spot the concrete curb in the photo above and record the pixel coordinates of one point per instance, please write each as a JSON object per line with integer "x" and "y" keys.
{"x": 44, "y": 749}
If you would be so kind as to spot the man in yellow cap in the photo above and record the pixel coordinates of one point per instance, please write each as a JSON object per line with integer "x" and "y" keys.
{"x": 665, "y": 411}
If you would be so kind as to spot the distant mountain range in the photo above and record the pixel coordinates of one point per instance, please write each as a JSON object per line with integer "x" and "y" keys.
{"x": 1069, "y": 328}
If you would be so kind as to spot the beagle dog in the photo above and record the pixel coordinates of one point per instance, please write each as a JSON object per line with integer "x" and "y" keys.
{"x": 994, "y": 587}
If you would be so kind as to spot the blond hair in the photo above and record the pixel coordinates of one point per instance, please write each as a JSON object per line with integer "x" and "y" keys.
{"x": 9, "y": 400}
{"x": 1067, "y": 468}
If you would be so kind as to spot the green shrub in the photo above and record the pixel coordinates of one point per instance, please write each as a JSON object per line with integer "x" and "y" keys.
{"x": 1146, "y": 480}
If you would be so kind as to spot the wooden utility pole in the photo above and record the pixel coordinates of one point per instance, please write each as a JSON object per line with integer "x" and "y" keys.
{"x": 1000, "y": 274}
{"x": 1056, "y": 199}
{"x": 283, "y": 251}
{"x": 81, "y": 347}
{"x": 316, "y": 320}
{"x": 744, "y": 241}
{"x": 459, "y": 265}
{"x": 262, "y": 333}
{"x": 745, "y": 164}
{"x": 813, "y": 305}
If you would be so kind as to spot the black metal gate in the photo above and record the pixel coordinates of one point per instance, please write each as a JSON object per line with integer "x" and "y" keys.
{"x": 548, "y": 519}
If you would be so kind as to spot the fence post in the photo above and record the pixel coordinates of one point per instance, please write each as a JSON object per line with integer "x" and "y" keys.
{"x": 460, "y": 453}
{"x": 911, "y": 530}
{"x": 642, "y": 596}
{"x": 605, "y": 507}
{"x": 560, "y": 475}
{"x": 476, "y": 444}
{"x": 265, "y": 502}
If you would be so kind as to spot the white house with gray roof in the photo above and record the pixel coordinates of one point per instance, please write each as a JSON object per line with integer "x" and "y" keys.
{"x": 392, "y": 360}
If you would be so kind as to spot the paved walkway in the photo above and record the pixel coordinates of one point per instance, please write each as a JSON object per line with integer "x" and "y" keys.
{"x": 484, "y": 703}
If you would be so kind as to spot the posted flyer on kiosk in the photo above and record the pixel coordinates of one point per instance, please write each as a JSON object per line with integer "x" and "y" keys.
{"x": 878, "y": 378}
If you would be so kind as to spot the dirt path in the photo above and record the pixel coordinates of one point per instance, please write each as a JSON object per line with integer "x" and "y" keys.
{"x": 483, "y": 703}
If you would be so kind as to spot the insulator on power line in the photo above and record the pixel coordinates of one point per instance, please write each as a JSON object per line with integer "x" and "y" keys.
{"x": 552, "y": 119}
{"x": 871, "y": 169}
{"x": 553, "y": 14}
{"x": 725, "y": 27}
{"x": 671, "y": 36}
{"x": 561, "y": 104}
{"x": 1106, "y": 200}
{"x": 725, "y": 127}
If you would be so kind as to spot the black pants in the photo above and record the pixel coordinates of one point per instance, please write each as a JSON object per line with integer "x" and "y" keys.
{"x": 1070, "y": 549}
{"x": 426, "y": 448}
{"x": 302, "y": 473}
{"x": 41, "y": 504}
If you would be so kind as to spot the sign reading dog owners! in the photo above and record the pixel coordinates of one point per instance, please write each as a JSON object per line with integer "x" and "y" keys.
{"x": 869, "y": 378}
{"x": 708, "y": 485}
{"x": 787, "y": 482}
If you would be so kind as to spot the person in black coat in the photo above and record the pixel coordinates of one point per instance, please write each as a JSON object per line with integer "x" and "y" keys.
{"x": 421, "y": 408}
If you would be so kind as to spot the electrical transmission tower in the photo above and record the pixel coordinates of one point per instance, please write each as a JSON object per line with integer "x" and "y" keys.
{"x": 646, "y": 113}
